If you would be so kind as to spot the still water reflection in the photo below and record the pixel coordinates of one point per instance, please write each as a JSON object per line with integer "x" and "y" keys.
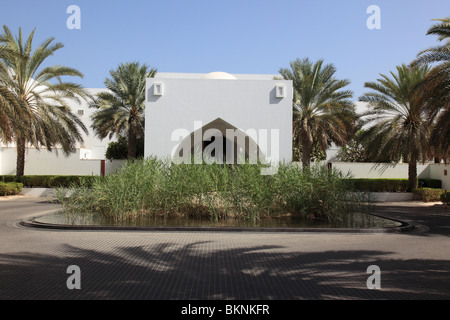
{"x": 354, "y": 220}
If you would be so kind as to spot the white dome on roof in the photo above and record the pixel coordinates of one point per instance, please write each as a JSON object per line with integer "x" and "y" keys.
{"x": 219, "y": 76}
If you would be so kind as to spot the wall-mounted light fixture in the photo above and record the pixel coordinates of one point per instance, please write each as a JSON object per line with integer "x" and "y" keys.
{"x": 279, "y": 91}
{"x": 158, "y": 89}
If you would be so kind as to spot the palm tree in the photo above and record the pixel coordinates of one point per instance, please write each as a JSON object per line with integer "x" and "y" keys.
{"x": 321, "y": 110}
{"x": 121, "y": 110}
{"x": 437, "y": 86}
{"x": 398, "y": 125}
{"x": 44, "y": 117}
{"x": 9, "y": 104}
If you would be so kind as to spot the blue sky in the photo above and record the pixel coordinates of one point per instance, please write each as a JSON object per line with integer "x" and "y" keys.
{"x": 235, "y": 36}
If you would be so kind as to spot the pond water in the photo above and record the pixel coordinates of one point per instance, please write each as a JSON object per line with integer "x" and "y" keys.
{"x": 354, "y": 221}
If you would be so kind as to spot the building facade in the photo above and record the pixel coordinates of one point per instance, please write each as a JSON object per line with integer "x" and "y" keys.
{"x": 221, "y": 117}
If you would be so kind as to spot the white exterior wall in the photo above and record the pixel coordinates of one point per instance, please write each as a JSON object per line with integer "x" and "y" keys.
{"x": 48, "y": 163}
{"x": 8, "y": 161}
{"x": 244, "y": 103}
{"x": 95, "y": 148}
{"x": 380, "y": 170}
{"x": 437, "y": 172}
{"x": 113, "y": 166}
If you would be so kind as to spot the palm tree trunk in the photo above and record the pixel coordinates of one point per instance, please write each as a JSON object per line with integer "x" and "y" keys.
{"x": 306, "y": 153}
{"x": 307, "y": 142}
{"x": 132, "y": 141}
{"x": 20, "y": 164}
{"x": 412, "y": 174}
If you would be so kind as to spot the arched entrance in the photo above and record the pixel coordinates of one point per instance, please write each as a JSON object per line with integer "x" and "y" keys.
{"x": 220, "y": 142}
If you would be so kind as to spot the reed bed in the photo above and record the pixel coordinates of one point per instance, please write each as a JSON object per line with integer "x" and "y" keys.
{"x": 152, "y": 187}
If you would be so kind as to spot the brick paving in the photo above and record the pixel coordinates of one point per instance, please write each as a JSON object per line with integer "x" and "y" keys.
{"x": 224, "y": 265}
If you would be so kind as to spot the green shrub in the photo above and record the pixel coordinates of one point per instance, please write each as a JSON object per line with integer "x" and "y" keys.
{"x": 35, "y": 181}
{"x": 427, "y": 194}
{"x": 430, "y": 183}
{"x": 119, "y": 150}
{"x": 379, "y": 185}
{"x": 390, "y": 185}
{"x": 445, "y": 197}
{"x": 49, "y": 181}
{"x": 8, "y": 178}
{"x": 10, "y": 188}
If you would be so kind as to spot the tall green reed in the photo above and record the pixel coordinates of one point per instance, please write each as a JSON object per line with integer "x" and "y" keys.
{"x": 153, "y": 187}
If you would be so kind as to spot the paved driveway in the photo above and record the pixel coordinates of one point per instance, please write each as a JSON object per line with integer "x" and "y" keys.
{"x": 224, "y": 265}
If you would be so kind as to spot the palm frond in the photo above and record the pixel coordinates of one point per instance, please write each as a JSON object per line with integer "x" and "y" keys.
{"x": 120, "y": 110}
{"x": 41, "y": 114}
{"x": 322, "y": 108}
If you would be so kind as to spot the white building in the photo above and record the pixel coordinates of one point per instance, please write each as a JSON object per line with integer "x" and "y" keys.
{"x": 256, "y": 108}
{"x": 186, "y": 113}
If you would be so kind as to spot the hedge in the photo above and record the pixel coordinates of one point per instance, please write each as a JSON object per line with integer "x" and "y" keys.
{"x": 430, "y": 183}
{"x": 379, "y": 185}
{"x": 428, "y": 194}
{"x": 390, "y": 185}
{"x": 10, "y": 188}
{"x": 50, "y": 181}
{"x": 445, "y": 197}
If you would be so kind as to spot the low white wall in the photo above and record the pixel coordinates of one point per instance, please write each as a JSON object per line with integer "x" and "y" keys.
{"x": 391, "y": 196}
{"x": 48, "y": 163}
{"x": 399, "y": 171}
{"x": 113, "y": 165}
{"x": 437, "y": 172}
{"x": 378, "y": 170}
{"x": 44, "y": 162}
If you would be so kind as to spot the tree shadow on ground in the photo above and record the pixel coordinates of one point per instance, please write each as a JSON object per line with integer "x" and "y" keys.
{"x": 169, "y": 271}
{"x": 434, "y": 217}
